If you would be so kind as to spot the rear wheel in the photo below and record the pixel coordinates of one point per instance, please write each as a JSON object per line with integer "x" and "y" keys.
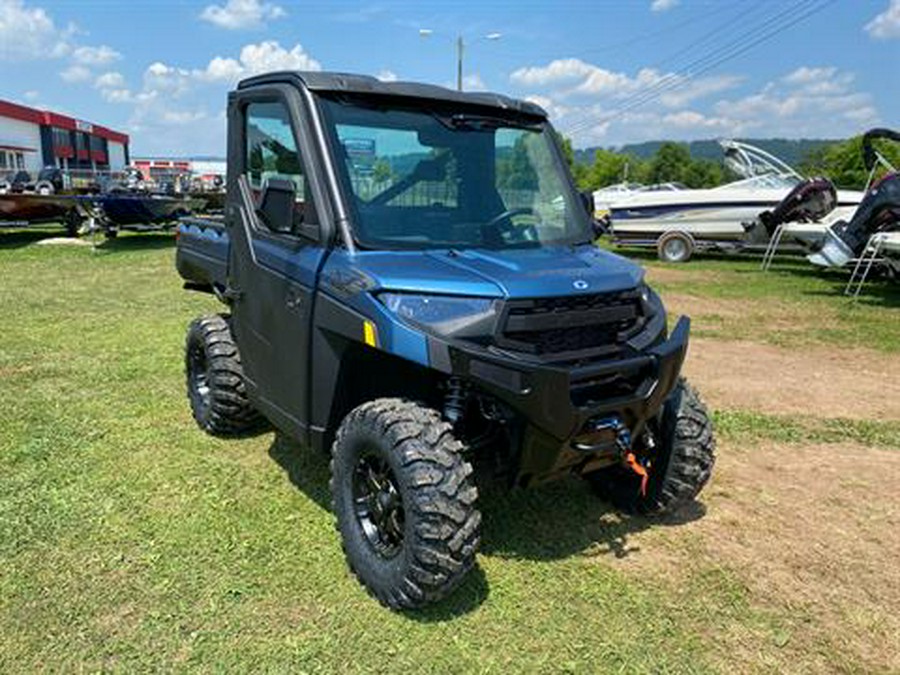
{"x": 404, "y": 502}
{"x": 675, "y": 247}
{"x": 677, "y": 467}
{"x": 215, "y": 379}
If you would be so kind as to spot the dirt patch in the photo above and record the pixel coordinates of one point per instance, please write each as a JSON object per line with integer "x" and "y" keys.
{"x": 674, "y": 274}
{"x": 817, "y": 381}
{"x": 811, "y": 533}
{"x": 698, "y": 307}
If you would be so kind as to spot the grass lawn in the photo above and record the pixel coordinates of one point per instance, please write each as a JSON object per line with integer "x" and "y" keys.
{"x": 130, "y": 540}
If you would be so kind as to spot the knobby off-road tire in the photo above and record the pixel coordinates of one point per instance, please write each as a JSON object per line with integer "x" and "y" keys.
{"x": 681, "y": 466}
{"x": 215, "y": 379}
{"x": 428, "y": 545}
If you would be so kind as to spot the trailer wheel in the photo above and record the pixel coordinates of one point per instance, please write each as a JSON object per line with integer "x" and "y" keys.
{"x": 72, "y": 222}
{"x": 44, "y": 187}
{"x": 404, "y": 502}
{"x": 677, "y": 468}
{"x": 215, "y": 379}
{"x": 675, "y": 247}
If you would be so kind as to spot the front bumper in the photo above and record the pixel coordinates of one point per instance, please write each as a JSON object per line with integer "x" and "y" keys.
{"x": 559, "y": 405}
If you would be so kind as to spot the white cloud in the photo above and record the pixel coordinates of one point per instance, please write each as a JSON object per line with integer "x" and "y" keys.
{"x": 75, "y": 74}
{"x": 553, "y": 108}
{"x": 117, "y": 95}
{"x": 242, "y": 14}
{"x": 111, "y": 80}
{"x": 387, "y": 76}
{"x": 692, "y": 90}
{"x": 810, "y": 101}
{"x": 257, "y": 58}
{"x": 473, "y": 82}
{"x": 31, "y": 95}
{"x": 574, "y": 77}
{"x": 663, "y": 5}
{"x": 693, "y": 120}
{"x": 558, "y": 71}
{"x": 887, "y": 24}
{"x": 807, "y": 74}
{"x": 28, "y": 33}
{"x": 595, "y": 104}
{"x": 95, "y": 56}
{"x": 180, "y": 107}
{"x": 180, "y": 118}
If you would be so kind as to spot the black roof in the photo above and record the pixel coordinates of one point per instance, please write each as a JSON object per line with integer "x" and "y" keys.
{"x": 366, "y": 84}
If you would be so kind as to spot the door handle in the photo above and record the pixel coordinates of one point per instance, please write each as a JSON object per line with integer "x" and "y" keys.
{"x": 294, "y": 300}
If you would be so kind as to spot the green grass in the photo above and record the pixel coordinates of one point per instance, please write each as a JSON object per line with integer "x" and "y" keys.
{"x": 131, "y": 541}
{"x": 793, "y": 304}
{"x": 743, "y": 427}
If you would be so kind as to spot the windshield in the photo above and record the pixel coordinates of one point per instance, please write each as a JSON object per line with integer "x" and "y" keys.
{"x": 437, "y": 179}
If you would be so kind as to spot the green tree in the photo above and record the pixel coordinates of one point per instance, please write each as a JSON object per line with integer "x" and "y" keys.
{"x": 843, "y": 162}
{"x": 670, "y": 163}
{"x": 382, "y": 171}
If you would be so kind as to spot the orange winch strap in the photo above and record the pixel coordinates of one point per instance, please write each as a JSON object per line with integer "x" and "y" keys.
{"x": 634, "y": 465}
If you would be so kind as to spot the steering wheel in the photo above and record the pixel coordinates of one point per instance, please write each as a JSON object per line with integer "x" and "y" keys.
{"x": 510, "y": 213}
{"x": 503, "y": 233}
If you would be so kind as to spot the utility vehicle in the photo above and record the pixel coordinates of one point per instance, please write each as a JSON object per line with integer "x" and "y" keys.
{"x": 413, "y": 286}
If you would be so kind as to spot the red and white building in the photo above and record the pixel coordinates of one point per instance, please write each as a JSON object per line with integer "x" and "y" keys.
{"x": 204, "y": 168}
{"x": 31, "y": 139}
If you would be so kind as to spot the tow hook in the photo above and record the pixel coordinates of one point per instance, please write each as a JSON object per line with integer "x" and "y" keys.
{"x": 605, "y": 435}
{"x": 611, "y": 431}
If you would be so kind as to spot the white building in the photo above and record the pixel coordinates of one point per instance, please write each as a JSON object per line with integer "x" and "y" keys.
{"x": 31, "y": 139}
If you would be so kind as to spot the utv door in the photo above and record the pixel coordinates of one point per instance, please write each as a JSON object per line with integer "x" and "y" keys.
{"x": 276, "y": 252}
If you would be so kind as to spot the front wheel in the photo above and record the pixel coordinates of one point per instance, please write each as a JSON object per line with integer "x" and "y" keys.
{"x": 404, "y": 502}
{"x": 677, "y": 467}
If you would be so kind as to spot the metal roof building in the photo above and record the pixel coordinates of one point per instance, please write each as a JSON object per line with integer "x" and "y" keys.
{"x": 31, "y": 139}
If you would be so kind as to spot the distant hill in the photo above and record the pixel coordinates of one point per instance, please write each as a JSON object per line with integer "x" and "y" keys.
{"x": 792, "y": 151}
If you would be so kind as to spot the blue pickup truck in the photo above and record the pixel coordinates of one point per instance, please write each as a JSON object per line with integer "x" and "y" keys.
{"x": 413, "y": 287}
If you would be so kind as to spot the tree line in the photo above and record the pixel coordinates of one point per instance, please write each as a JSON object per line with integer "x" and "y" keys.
{"x": 672, "y": 162}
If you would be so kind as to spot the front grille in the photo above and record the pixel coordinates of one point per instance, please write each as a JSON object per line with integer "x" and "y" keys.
{"x": 597, "y": 324}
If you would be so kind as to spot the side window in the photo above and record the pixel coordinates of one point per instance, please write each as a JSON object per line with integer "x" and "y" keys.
{"x": 271, "y": 153}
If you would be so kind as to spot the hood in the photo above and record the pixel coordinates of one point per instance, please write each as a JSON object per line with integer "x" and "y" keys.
{"x": 515, "y": 273}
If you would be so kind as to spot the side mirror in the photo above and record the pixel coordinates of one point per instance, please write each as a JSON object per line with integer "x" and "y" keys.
{"x": 276, "y": 207}
{"x": 600, "y": 226}
{"x": 431, "y": 170}
{"x": 587, "y": 199}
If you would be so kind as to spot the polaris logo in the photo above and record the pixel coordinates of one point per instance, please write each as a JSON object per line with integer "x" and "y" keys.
{"x": 580, "y": 284}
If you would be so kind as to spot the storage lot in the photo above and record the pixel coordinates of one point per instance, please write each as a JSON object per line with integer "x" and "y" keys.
{"x": 130, "y": 539}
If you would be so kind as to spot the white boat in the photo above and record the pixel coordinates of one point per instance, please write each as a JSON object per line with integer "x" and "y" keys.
{"x": 868, "y": 236}
{"x": 677, "y": 222}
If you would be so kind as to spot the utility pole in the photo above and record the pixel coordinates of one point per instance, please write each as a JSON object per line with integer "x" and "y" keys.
{"x": 460, "y": 51}
{"x": 459, "y": 62}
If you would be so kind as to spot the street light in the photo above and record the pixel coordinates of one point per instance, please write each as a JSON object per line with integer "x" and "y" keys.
{"x": 460, "y": 48}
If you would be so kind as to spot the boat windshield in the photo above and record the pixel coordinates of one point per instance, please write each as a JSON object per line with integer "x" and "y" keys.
{"x": 768, "y": 181}
{"x": 446, "y": 178}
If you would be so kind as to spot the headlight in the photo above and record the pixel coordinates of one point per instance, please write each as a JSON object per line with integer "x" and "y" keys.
{"x": 444, "y": 314}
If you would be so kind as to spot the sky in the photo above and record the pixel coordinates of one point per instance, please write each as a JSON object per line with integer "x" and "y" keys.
{"x": 609, "y": 72}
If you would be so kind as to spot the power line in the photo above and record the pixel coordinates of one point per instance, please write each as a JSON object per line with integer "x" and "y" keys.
{"x": 723, "y": 33}
{"x": 722, "y": 54}
{"x": 702, "y": 69}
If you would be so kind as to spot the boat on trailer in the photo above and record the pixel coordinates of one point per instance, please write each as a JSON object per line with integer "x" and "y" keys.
{"x": 679, "y": 222}
{"x": 868, "y": 238}
{"x": 23, "y": 209}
